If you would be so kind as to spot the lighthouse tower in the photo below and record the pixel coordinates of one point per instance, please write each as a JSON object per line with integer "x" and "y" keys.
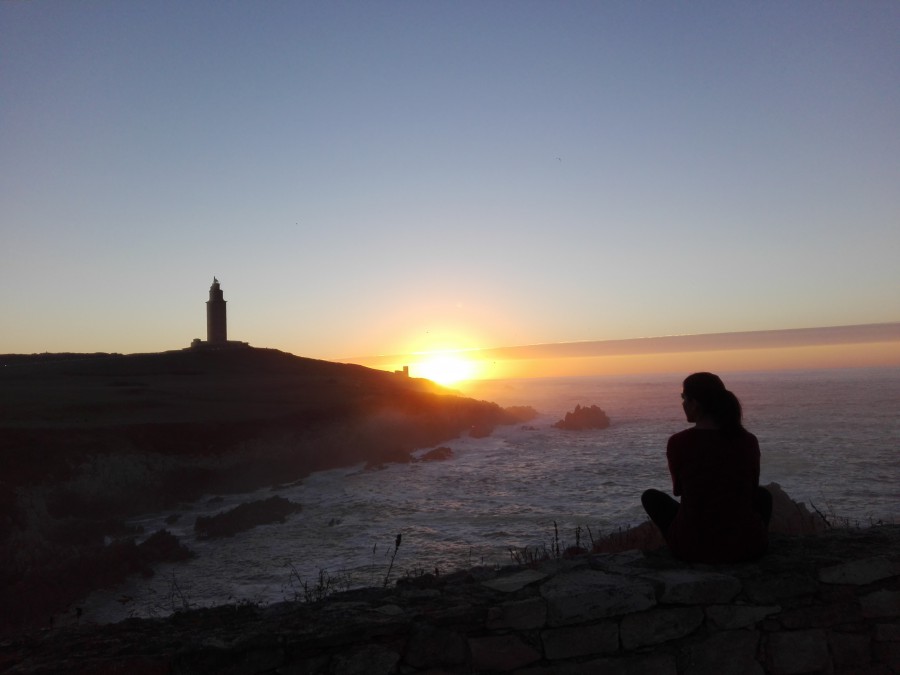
{"x": 216, "y": 327}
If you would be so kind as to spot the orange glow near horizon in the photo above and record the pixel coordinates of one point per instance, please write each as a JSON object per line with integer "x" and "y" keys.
{"x": 444, "y": 353}
{"x": 454, "y": 367}
{"x": 880, "y": 354}
{"x": 446, "y": 368}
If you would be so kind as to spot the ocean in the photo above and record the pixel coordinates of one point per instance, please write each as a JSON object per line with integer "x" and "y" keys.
{"x": 829, "y": 437}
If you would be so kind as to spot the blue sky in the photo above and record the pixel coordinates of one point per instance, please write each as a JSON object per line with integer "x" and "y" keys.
{"x": 372, "y": 177}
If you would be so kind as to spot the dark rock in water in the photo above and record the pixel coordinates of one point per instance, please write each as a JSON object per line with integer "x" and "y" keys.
{"x": 163, "y": 546}
{"x": 245, "y": 517}
{"x": 584, "y": 418}
{"x": 437, "y": 455}
{"x": 390, "y": 455}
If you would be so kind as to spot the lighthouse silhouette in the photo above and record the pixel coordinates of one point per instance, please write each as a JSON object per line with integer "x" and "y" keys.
{"x": 216, "y": 324}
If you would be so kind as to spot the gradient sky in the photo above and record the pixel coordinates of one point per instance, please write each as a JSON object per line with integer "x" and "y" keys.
{"x": 376, "y": 177}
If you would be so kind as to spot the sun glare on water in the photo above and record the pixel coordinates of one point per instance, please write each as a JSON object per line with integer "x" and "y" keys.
{"x": 446, "y": 369}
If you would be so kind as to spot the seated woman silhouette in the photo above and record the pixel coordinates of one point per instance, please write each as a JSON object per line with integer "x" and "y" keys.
{"x": 724, "y": 515}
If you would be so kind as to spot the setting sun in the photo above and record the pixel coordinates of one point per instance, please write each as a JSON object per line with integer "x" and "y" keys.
{"x": 446, "y": 368}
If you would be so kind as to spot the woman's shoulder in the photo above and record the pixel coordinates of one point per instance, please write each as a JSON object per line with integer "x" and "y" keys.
{"x": 693, "y": 432}
{"x": 693, "y": 435}
{"x": 683, "y": 437}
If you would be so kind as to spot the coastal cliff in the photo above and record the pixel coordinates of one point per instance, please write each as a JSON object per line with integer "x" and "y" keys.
{"x": 87, "y": 440}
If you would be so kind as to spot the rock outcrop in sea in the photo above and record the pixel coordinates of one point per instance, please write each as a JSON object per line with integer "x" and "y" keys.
{"x": 244, "y": 517}
{"x": 584, "y": 417}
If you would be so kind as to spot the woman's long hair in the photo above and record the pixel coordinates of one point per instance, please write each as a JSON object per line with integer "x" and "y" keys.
{"x": 716, "y": 401}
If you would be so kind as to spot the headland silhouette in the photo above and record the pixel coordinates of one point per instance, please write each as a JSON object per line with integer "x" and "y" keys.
{"x": 87, "y": 440}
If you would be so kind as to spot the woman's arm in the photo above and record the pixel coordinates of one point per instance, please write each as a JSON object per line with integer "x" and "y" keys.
{"x": 673, "y": 459}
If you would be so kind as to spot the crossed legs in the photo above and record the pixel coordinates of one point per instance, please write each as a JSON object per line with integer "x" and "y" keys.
{"x": 662, "y": 508}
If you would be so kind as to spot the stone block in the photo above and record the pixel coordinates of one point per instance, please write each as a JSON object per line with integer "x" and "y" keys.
{"x": 887, "y": 654}
{"x": 501, "y": 653}
{"x": 574, "y": 641}
{"x": 430, "y": 647}
{"x": 729, "y": 617}
{"x": 521, "y": 615}
{"x": 695, "y": 587}
{"x": 887, "y": 632}
{"x": 420, "y": 593}
{"x": 850, "y": 650}
{"x": 369, "y": 660}
{"x": 730, "y": 652}
{"x": 585, "y": 595}
{"x": 131, "y": 664}
{"x": 820, "y": 616}
{"x": 624, "y": 562}
{"x": 514, "y": 582}
{"x": 836, "y": 595}
{"x": 796, "y": 652}
{"x": 881, "y": 604}
{"x": 257, "y": 660}
{"x": 771, "y": 589}
{"x": 659, "y": 625}
{"x": 389, "y": 610}
{"x": 307, "y": 666}
{"x": 651, "y": 664}
{"x": 860, "y": 572}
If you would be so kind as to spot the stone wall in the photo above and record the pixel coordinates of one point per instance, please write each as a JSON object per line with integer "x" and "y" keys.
{"x": 828, "y": 603}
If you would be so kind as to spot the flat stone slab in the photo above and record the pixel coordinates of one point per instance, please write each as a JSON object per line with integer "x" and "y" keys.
{"x": 620, "y": 563}
{"x": 515, "y": 582}
{"x": 695, "y": 587}
{"x": 860, "y": 572}
{"x": 882, "y": 604}
{"x": 586, "y": 595}
{"x": 573, "y": 641}
{"x": 728, "y": 617}
{"x": 501, "y": 652}
{"x": 730, "y": 652}
{"x": 771, "y": 589}
{"x": 797, "y": 652}
{"x": 657, "y": 625}
{"x": 521, "y": 615}
{"x": 389, "y": 610}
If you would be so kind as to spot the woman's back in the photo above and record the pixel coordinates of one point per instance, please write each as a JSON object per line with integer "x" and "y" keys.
{"x": 716, "y": 475}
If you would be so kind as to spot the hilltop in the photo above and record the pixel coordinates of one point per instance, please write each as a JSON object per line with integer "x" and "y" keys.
{"x": 62, "y": 407}
{"x": 87, "y": 440}
{"x": 203, "y": 385}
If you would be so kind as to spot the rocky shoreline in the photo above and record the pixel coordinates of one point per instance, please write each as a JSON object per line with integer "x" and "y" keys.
{"x": 88, "y": 440}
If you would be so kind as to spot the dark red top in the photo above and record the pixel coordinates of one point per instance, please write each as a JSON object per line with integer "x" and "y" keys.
{"x": 716, "y": 477}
